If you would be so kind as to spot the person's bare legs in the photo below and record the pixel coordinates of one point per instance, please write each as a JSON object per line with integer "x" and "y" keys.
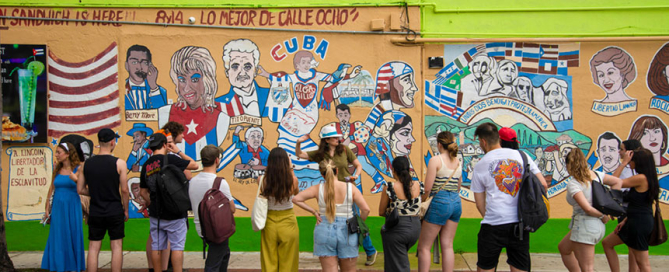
{"x": 149, "y": 259}
{"x": 348, "y": 265}
{"x": 117, "y": 255}
{"x": 513, "y": 269}
{"x": 93, "y": 252}
{"x": 177, "y": 260}
{"x": 155, "y": 258}
{"x": 329, "y": 263}
{"x": 642, "y": 260}
{"x": 608, "y": 244}
{"x": 447, "y": 253}
{"x": 428, "y": 233}
{"x": 632, "y": 266}
{"x": 566, "y": 248}
{"x": 585, "y": 254}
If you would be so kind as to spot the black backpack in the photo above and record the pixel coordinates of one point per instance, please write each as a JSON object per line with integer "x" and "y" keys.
{"x": 172, "y": 190}
{"x": 533, "y": 206}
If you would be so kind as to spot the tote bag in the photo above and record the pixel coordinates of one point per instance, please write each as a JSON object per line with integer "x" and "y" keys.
{"x": 260, "y": 206}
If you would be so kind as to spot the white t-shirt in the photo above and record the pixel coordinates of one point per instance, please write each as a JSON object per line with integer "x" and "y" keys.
{"x": 574, "y": 187}
{"x": 199, "y": 185}
{"x": 499, "y": 174}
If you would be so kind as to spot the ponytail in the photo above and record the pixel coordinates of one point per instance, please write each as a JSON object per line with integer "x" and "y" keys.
{"x": 327, "y": 169}
{"x": 446, "y": 140}
{"x": 401, "y": 168}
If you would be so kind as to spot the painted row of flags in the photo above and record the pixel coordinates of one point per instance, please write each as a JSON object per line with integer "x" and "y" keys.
{"x": 441, "y": 94}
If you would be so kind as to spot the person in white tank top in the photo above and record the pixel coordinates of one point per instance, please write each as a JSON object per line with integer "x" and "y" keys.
{"x": 333, "y": 243}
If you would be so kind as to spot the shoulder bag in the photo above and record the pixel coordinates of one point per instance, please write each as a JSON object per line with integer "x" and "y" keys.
{"x": 355, "y": 224}
{"x": 392, "y": 215}
{"x": 426, "y": 204}
{"x": 659, "y": 234}
{"x": 260, "y": 207}
{"x": 606, "y": 200}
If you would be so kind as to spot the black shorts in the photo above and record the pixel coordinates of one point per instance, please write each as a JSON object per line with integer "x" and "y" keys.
{"x": 493, "y": 238}
{"x": 99, "y": 225}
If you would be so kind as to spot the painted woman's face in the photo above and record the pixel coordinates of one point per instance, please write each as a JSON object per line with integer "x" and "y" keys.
{"x": 666, "y": 73}
{"x": 507, "y": 73}
{"x": 191, "y": 88}
{"x": 402, "y": 139}
{"x": 406, "y": 88}
{"x": 652, "y": 140}
{"x": 609, "y": 77}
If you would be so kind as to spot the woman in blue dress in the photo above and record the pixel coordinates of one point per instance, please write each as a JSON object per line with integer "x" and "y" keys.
{"x": 65, "y": 247}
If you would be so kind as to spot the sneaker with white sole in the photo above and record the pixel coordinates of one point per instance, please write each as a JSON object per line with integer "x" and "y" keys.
{"x": 371, "y": 259}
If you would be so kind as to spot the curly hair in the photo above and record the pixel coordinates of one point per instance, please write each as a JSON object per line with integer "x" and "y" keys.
{"x": 193, "y": 58}
{"x": 657, "y": 76}
{"x": 577, "y": 166}
{"x": 620, "y": 59}
{"x": 72, "y": 156}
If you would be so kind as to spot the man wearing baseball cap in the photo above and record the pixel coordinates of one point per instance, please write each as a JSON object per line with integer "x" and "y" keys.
{"x": 103, "y": 177}
{"x": 173, "y": 226}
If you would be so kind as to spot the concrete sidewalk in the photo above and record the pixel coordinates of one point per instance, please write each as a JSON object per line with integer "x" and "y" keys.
{"x": 250, "y": 261}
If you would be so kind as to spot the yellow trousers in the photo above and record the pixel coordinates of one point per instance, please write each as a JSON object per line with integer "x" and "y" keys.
{"x": 280, "y": 242}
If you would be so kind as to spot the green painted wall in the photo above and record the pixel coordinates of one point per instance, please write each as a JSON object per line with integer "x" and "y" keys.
{"x": 563, "y": 18}
{"x": 450, "y": 19}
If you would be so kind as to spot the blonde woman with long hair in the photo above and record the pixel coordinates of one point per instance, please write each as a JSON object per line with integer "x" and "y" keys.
{"x": 587, "y": 224}
{"x": 333, "y": 243}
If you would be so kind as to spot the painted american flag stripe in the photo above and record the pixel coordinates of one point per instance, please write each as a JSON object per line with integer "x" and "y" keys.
{"x": 64, "y": 73}
{"x": 91, "y": 87}
{"x": 76, "y": 104}
{"x": 106, "y": 91}
{"x": 110, "y": 52}
{"x": 83, "y": 119}
{"x": 84, "y": 96}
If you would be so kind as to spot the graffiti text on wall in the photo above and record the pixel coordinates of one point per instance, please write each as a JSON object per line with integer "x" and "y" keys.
{"x": 222, "y": 17}
{"x": 29, "y": 180}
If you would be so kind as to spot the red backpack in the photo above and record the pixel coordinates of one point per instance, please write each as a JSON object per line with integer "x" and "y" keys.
{"x": 216, "y": 220}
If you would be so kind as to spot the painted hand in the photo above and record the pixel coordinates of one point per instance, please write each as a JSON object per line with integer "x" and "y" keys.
{"x": 355, "y": 72}
{"x": 152, "y": 77}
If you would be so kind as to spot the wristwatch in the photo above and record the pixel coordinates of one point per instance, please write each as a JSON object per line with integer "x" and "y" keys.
{"x": 600, "y": 218}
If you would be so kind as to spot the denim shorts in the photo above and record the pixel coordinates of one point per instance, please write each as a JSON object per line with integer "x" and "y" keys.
{"x": 445, "y": 206}
{"x": 333, "y": 239}
{"x": 586, "y": 229}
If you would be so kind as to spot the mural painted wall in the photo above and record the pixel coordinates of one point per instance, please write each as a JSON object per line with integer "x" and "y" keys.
{"x": 245, "y": 91}
{"x": 555, "y": 101}
{"x": 249, "y": 91}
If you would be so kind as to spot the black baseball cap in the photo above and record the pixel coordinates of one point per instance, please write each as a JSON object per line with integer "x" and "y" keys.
{"x": 157, "y": 140}
{"x": 106, "y": 135}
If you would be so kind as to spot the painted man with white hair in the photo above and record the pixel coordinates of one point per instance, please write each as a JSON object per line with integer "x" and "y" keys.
{"x": 240, "y": 58}
{"x": 251, "y": 150}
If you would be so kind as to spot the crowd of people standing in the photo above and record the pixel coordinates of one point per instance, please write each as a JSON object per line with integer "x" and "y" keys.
{"x": 103, "y": 177}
